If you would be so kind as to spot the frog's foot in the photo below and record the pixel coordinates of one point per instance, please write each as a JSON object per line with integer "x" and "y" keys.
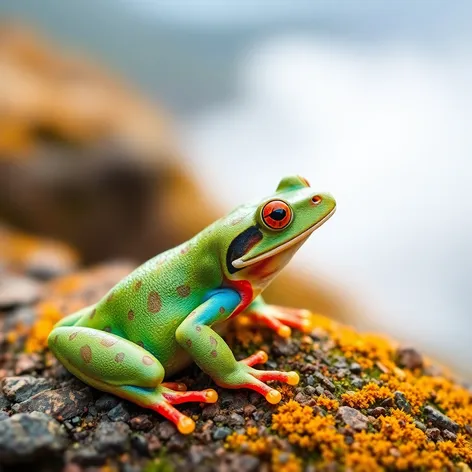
{"x": 280, "y": 319}
{"x": 166, "y": 397}
{"x": 247, "y": 377}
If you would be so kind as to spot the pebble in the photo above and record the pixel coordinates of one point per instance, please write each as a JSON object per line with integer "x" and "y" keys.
{"x": 27, "y": 363}
{"x": 438, "y": 419}
{"x": 106, "y": 402}
{"x": 166, "y": 430}
{"x": 221, "y": 433}
{"x": 409, "y": 358}
{"x": 355, "y": 368}
{"x": 30, "y": 436}
{"x": 16, "y": 290}
{"x": 4, "y": 415}
{"x": 119, "y": 413}
{"x": 449, "y": 435}
{"x": 420, "y": 425}
{"x": 387, "y": 403}
{"x": 111, "y": 438}
{"x": 325, "y": 381}
{"x": 140, "y": 444}
{"x": 86, "y": 456}
{"x": 19, "y": 389}
{"x": 249, "y": 409}
{"x": 376, "y": 412}
{"x": 401, "y": 402}
{"x": 433, "y": 433}
{"x": 141, "y": 423}
{"x": 235, "y": 420}
{"x": 352, "y": 417}
{"x": 63, "y": 403}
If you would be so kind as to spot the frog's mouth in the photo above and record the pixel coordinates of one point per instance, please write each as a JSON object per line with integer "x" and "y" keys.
{"x": 241, "y": 263}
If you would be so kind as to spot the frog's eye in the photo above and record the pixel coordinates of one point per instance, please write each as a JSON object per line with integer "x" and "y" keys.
{"x": 276, "y": 214}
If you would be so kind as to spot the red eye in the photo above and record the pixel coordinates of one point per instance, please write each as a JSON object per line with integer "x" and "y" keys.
{"x": 276, "y": 214}
{"x": 316, "y": 200}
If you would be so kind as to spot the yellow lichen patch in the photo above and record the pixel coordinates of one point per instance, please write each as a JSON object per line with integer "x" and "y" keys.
{"x": 48, "y": 315}
{"x": 400, "y": 445}
{"x": 303, "y": 429}
{"x": 250, "y": 442}
{"x": 288, "y": 462}
{"x": 367, "y": 396}
{"x": 327, "y": 403}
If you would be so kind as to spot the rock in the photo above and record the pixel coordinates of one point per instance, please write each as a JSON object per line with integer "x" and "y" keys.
{"x": 221, "y": 433}
{"x": 325, "y": 381}
{"x": 166, "y": 430}
{"x": 85, "y": 456}
{"x": 111, "y": 438}
{"x": 402, "y": 402}
{"x": 19, "y": 389}
{"x": 63, "y": 403}
{"x": 355, "y": 368}
{"x": 30, "y": 436}
{"x": 106, "y": 402}
{"x": 352, "y": 417}
{"x": 141, "y": 423}
{"x": 438, "y": 419}
{"x": 4, "y": 415}
{"x": 119, "y": 413}
{"x": 16, "y": 291}
{"x": 449, "y": 435}
{"x": 235, "y": 420}
{"x": 27, "y": 363}
{"x": 376, "y": 412}
{"x": 420, "y": 425}
{"x": 247, "y": 463}
{"x": 387, "y": 403}
{"x": 210, "y": 410}
{"x": 409, "y": 358}
{"x": 357, "y": 382}
{"x": 4, "y": 402}
{"x": 249, "y": 409}
{"x": 433, "y": 433}
{"x": 140, "y": 444}
{"x": 285, "y": 347}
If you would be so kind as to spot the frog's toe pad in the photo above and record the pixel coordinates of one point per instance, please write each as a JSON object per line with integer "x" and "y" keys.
{"x": 259, "y": 357}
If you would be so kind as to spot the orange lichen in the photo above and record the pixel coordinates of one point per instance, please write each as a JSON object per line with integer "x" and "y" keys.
{"x": 288, "y": 462}
{"x": 250, "y": 442}
{"x": 327, "y": 403}
{"x": 367, "y": 396}
{"x": 302, "y": 428}
{"x": 48, "y": 316}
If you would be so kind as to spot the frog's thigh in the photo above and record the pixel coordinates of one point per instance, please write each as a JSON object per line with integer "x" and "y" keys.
{"x": 103, "y": 360}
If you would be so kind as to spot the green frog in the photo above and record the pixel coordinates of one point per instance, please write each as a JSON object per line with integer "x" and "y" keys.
{"x": 174, "y": 308}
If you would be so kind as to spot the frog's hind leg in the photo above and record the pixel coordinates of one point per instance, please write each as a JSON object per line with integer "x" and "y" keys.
{"x": 114, "y": 364}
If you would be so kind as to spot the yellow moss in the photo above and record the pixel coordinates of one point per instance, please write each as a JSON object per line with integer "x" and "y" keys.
{"x": 286, "y": 462}
{"x": 48, "y": 316}
{"x": 367, "y": 396}
{"x": 327, "y": 403}
{"x": 307, "y": 431}
{"x": 250, "y": 442}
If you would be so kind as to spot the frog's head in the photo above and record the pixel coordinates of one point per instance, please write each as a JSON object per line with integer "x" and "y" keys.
{"x": 265, "y": 235}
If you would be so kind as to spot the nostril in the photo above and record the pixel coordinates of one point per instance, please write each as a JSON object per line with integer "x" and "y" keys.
{"x": 316, "y": 199}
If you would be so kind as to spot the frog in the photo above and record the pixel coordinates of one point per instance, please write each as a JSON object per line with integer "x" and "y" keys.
{"x": 177, "y": 307}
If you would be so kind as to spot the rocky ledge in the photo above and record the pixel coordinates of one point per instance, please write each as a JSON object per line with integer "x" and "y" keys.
{"x": 363, "y": 402}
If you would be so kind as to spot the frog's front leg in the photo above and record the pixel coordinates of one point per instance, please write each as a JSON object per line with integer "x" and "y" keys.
{"x": 116, "y": 365}
{"x": 212, "y": 354}
{"x": 278, "y": 318}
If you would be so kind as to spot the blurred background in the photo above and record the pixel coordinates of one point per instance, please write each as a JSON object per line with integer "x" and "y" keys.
{"x": 128, "y": 126}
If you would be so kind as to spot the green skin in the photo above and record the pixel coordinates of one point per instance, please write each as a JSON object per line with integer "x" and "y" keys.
{"x": 168, "y": 312}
